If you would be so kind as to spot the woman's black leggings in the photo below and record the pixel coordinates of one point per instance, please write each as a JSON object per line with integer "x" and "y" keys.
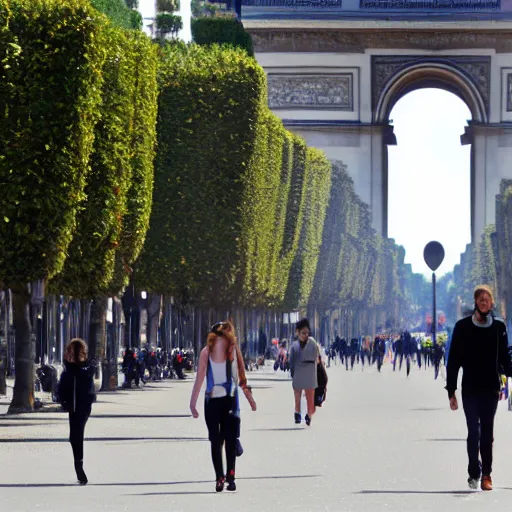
{"x": 222, "y": 430}
{"x": 77, "y": 421}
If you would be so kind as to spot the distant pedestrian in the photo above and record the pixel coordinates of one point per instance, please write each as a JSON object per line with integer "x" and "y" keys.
{"x": 222, "y": 364}
{"x": 480, "y": 347}
{"x": 76, "y": 395}
{"x": 304, "y": 358}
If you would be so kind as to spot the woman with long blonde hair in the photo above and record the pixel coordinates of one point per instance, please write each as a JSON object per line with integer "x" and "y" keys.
{"x": 222, "y": 364}
{"x": 76, "y": 395}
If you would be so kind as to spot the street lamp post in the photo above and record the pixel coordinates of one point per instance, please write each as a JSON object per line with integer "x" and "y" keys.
{"x": 434, "y": 256}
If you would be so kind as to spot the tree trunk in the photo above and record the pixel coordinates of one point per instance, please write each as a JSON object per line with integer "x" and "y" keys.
{"x": 4, "y": 321}
{"x": 97, "y": 338}
{"x": 23, "y": 397}
{"x": 154, "y": 314}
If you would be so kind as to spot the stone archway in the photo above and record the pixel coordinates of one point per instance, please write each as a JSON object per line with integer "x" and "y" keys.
{"x": 466, "y": 77}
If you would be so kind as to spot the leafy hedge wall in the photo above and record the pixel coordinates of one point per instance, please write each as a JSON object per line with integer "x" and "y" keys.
{"x": 315, "y": 198}
{"x": 89, "y": 267}
{"x": 235, "y": 193}
{"x": 503, "y": 247}
{"x": 46, "y": 131}
{"x": 211, "y": 108}
{"x": 142, "y": 155}
{"x": 488, "y": 261}
{"x": 207, "y": 31}
{"x": 119, "y": 13}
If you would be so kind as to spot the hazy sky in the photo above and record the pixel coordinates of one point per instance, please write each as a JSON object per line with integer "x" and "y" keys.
{"x": 429, "y": 171}
{"x": 429, "y": 176}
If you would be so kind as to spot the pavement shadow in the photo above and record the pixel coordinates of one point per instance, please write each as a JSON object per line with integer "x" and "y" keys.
{"x": 445, "y": 439}
{"x": 100, "y": 439}
{"x": 127, "y": 391}
{"x": 453, "y": 493}
{"x": 33, "y": 417}
{"x": 171, "y": 493}
{"x": 177, "y": 493}
{"x": 277, "y": 429}
{"x": 10, "y": 425}
{"x": 126, "y": 416}
{"x": 151, "y": 484}
{"x": 270, "y": 380}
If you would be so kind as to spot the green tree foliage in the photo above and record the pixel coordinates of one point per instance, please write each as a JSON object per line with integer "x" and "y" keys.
{"x": 119, "y": 13}
{"x": 168, "y": 24}
{"x": 89, "y": 267}
{"x": 143, "y": 140}
{"x": 167, "y": 5}
{"x": 46, "y": 133}
{"x": 488, "y": 261}
{"x": 218, "y": 170}
{"x": 52, "y": 79}
{"x": 504, "y": 247}
{"x": 359, "y": 270}
{"x": 208, "y": 30}
{"x": 315, "y": 198}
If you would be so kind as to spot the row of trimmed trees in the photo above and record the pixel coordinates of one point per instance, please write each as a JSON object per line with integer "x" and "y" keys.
{"x": 266, "y": 224}
{"x": 77, "y": 139}
{"x": 244, "y": 219}
{"x": 487, "y": 261}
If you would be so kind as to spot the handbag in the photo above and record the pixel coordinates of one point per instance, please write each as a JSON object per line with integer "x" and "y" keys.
{"x": 239, "y": 449}
{"x": 321, "y": 389}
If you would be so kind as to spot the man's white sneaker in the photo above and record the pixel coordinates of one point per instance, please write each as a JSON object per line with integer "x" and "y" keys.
{"x": 473, "y": 483}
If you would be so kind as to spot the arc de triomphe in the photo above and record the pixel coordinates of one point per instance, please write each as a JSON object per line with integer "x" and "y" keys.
{"x": 335, "y": 71}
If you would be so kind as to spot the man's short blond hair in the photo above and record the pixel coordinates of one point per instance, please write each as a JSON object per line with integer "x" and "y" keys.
{"x": 483, "y": 288}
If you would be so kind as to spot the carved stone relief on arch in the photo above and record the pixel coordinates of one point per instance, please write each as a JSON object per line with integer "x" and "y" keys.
{"x": 476, "y": 68}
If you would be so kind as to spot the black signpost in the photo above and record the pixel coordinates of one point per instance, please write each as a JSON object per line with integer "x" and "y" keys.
{"x": 433, "y": 255}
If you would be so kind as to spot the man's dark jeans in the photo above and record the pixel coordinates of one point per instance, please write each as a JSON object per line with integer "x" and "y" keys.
{"x": 480, "y": 410}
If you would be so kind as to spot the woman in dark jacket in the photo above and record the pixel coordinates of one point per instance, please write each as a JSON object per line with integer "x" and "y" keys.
{"x": 76, "y": 395}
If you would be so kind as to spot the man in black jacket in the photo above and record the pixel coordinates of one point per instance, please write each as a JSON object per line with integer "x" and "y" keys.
{"x": 480, "y": 347}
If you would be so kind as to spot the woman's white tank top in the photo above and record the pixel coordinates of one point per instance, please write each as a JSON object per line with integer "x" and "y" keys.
{"x": 219, "y": 378}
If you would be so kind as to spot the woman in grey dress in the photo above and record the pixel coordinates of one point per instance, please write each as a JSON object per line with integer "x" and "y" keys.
{"x": 304, "y": 358}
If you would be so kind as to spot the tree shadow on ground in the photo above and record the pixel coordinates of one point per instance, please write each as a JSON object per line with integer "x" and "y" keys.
{"x": 453, "y": 493}
{"x": 101, "y": 439}
{"x": 126, "y": 416}
{"x": 271, "y": 380}
{"x": 30, "y": 417}
{"x": 177, "y": 493}
{"x": 277, "y": 429}
{"x": 10, "y": 425}
{"x": 127, "y": 391}
{"x": 442, "y": 440}
{"x": 151, "y": 484}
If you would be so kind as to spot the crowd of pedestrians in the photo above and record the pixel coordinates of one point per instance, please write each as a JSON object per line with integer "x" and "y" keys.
{"x": 401, "y": 351}
{"x": 141, "y": 366}
{"x": 479, "y": 346}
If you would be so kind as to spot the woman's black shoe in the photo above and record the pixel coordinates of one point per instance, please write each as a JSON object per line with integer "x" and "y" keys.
{"x": 80, "y": 473}
{"x": 308, "y": 420}
{"x": 219, "y": 486}
{"x": 298, "y": 418}
{"x": 231, "y": 486}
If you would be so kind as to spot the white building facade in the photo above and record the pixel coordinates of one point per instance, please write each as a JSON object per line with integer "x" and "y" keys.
{"x": 334, "y": 77}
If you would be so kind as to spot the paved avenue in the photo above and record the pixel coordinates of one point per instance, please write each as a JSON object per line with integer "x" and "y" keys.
{"x": 381, "y": 442}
